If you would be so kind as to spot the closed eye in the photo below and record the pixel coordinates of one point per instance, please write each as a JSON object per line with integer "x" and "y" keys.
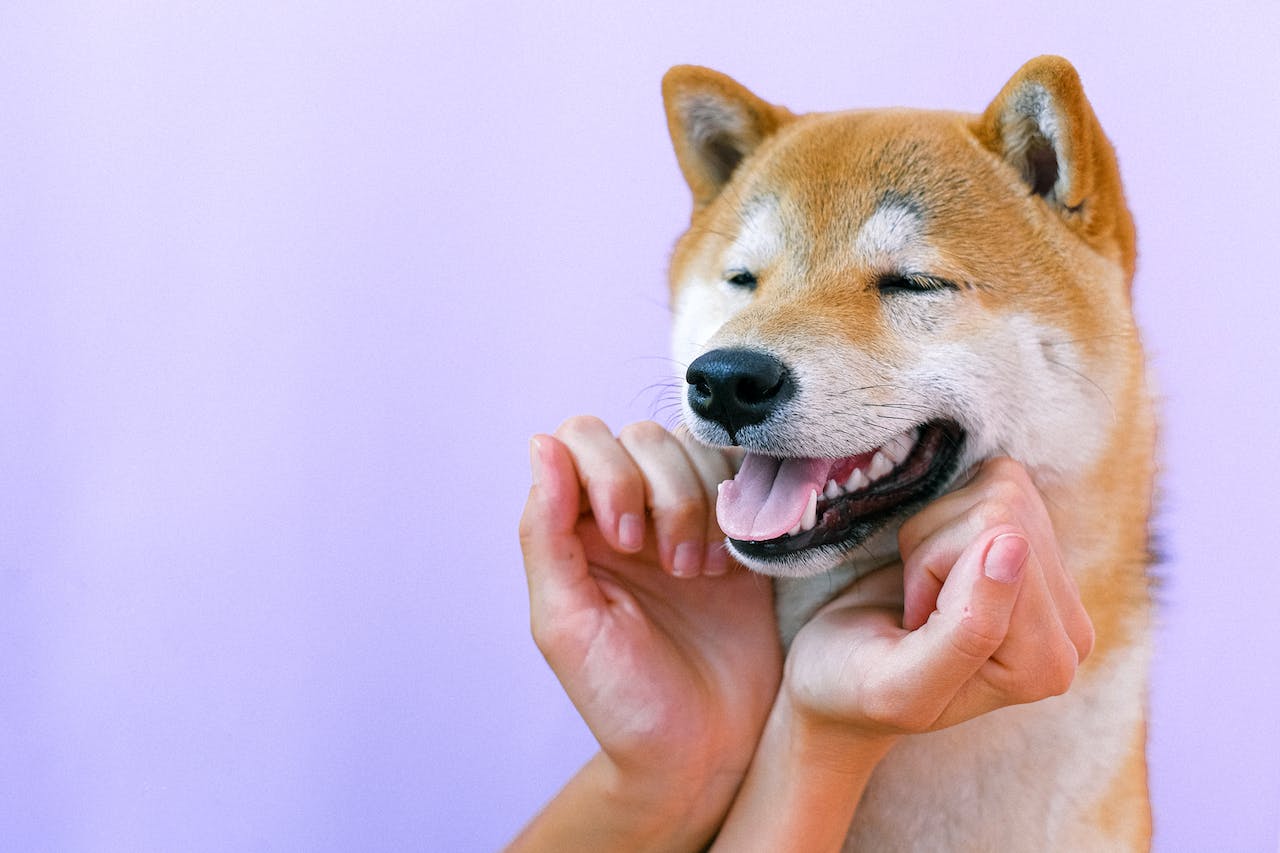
{"x": 741, "y": 278}
{"x": 898, "y": 283}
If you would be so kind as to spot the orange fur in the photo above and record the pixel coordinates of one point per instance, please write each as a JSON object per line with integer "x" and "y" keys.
{"x": 1031, "y": 221}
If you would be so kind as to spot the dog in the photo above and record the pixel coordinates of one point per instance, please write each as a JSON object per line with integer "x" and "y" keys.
{"x": 871, "y": 303}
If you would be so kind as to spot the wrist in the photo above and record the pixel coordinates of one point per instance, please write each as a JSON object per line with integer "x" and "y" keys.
{"x": 805, "y": 782}
{"x": 669, "y": 808}
{"x": 829, "y": 745}
{"x": 604, "y": 807}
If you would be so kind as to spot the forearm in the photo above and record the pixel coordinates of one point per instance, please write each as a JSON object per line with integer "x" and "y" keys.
{"x": 601, "y": 808}
{"x": 803, "y": 786}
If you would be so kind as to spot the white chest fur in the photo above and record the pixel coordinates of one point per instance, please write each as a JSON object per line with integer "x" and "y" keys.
{"x": 1024, "y": 778}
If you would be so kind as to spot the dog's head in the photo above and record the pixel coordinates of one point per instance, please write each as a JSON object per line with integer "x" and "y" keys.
{"x": 870, "y": 302}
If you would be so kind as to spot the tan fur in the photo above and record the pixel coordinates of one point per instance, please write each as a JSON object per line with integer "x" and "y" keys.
{"x": 1124, "y": 810}
{"x": 1062, "y": 259}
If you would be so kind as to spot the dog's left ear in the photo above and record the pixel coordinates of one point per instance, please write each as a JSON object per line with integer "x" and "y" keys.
{"x": 1042, "y": 124}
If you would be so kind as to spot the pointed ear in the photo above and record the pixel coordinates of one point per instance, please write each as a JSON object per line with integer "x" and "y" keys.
{"x": 1042, "y": 124}
{"x": 715, "y": 124}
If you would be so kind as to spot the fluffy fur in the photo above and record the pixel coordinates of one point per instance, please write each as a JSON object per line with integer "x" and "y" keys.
{"x": 1033, "y": 353}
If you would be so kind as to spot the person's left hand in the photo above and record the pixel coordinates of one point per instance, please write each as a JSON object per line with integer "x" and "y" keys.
{"x": 673, "y": 674}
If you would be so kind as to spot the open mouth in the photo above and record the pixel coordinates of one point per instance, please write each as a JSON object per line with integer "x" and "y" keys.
{"x": 777, "y": 507}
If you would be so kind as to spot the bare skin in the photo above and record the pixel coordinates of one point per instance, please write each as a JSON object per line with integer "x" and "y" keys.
{"x": 980, "y": 615}
{"x": 678, "y": 677}
{"x": 674, "y": 675}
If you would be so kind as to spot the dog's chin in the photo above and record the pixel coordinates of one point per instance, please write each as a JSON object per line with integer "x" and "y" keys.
{"x": 862, "y": 526}
{"x": 878, "y": 548}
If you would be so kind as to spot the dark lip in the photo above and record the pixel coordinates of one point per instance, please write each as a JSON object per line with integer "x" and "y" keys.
{"x": 850, "y": 520}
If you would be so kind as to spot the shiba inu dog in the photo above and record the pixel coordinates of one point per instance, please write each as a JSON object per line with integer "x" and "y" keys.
{"x": 869, "y": 303}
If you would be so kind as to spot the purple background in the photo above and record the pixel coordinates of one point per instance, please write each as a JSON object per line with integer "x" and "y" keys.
{"x": 284, "y": 289}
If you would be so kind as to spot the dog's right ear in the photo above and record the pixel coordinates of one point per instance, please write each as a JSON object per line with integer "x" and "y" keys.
{"x": 715, "y": 124}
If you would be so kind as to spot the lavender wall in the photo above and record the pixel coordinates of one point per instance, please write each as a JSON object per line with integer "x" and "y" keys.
{"x": 284, "y": 290}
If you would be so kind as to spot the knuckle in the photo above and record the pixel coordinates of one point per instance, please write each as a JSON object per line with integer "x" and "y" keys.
{"x": 909, "y": 534}
{"x": 645, "y": 433}
{"x": 527, "y": 532}
{"x": 995, "y": 510}
{"x": 1025, "y": 692}
{"x": 1061, "y": 671}
{"x": 1051, "y": 676}
{"x": 612, "y": 476}
{"x": 988, "y": 512}
{"x": 604, "y": 483}
{"x": 580, "y": 425}
{"x": 546, "y": 634}
{"x": 1005, "y": 469}
{"x": 976, "y": 637}
{"x": 1008, "y": 492}
{"x": 527, "y": 529}
{"x": 685, "y": 513}
{"x": 880, "y": 713}
{"x": 1085, "y": 641}
{"x": 884, "y": 708}
{"x": 1011, "y": 486}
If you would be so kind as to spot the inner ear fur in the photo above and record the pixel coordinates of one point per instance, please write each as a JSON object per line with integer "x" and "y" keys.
{"x": 1042, "y": 124}
{"x": 715, "y": 124}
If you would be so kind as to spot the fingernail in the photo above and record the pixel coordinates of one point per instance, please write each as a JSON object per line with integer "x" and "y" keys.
{"x": 534, "y": 463}
{"x": 1006, "y": 556}
{"x": 631, "y": 531}
{"x": 685, "y": 562}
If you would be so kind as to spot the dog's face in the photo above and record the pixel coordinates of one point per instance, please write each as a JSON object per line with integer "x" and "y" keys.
{"x": 870, "y": 302}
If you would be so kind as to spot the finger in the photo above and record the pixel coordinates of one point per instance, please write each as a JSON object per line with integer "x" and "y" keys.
{"x": 1009, "y": 495}
{"x": 972, "y": 619}
{"x": 926, "y": 569}
{"x": 554, "y": 560}
{"x": 1049, "y": 631}
{"x": 1001, "y": 493}
{"x": 614, "y": 486}
{"x": 1037, "y": 648}
{"x": 1001, "y": 487}
{"x": 1036, "y": 660}
{"x": 1035, "y": 621}
{"x": 1065, "y": 594}
{"x": 714, "y": 467}
{"x": 675, "y": 494}
{"x": 936, "y": 515}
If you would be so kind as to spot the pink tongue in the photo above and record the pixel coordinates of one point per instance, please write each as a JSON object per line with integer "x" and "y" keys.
{"x": 769, "y": 496}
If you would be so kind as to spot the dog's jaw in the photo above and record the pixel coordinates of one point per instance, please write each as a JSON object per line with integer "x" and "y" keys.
{"x": 792, "y": 517}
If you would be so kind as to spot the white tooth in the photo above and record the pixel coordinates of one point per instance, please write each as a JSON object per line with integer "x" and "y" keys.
{"x": 810, "y": 519}
{"x": 857, "y": 480}
{"x": 890, "y": 450}
{"x": 795, "y": 530}
{"x": 897, "y": 449}
{"x": 880, "y": 465}
{"x": 832, "y": 491}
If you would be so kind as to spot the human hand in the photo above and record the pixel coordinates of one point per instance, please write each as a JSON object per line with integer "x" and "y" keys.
{"x": 981, "y": 614}
{"x": 674, "y": 675}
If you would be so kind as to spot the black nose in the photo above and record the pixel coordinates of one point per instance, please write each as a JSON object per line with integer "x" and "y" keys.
{"x": 737, "y": 387}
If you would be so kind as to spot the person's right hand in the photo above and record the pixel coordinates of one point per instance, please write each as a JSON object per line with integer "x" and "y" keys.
{"x": 667, "y": 648}
{"x": 981, "y": 614}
